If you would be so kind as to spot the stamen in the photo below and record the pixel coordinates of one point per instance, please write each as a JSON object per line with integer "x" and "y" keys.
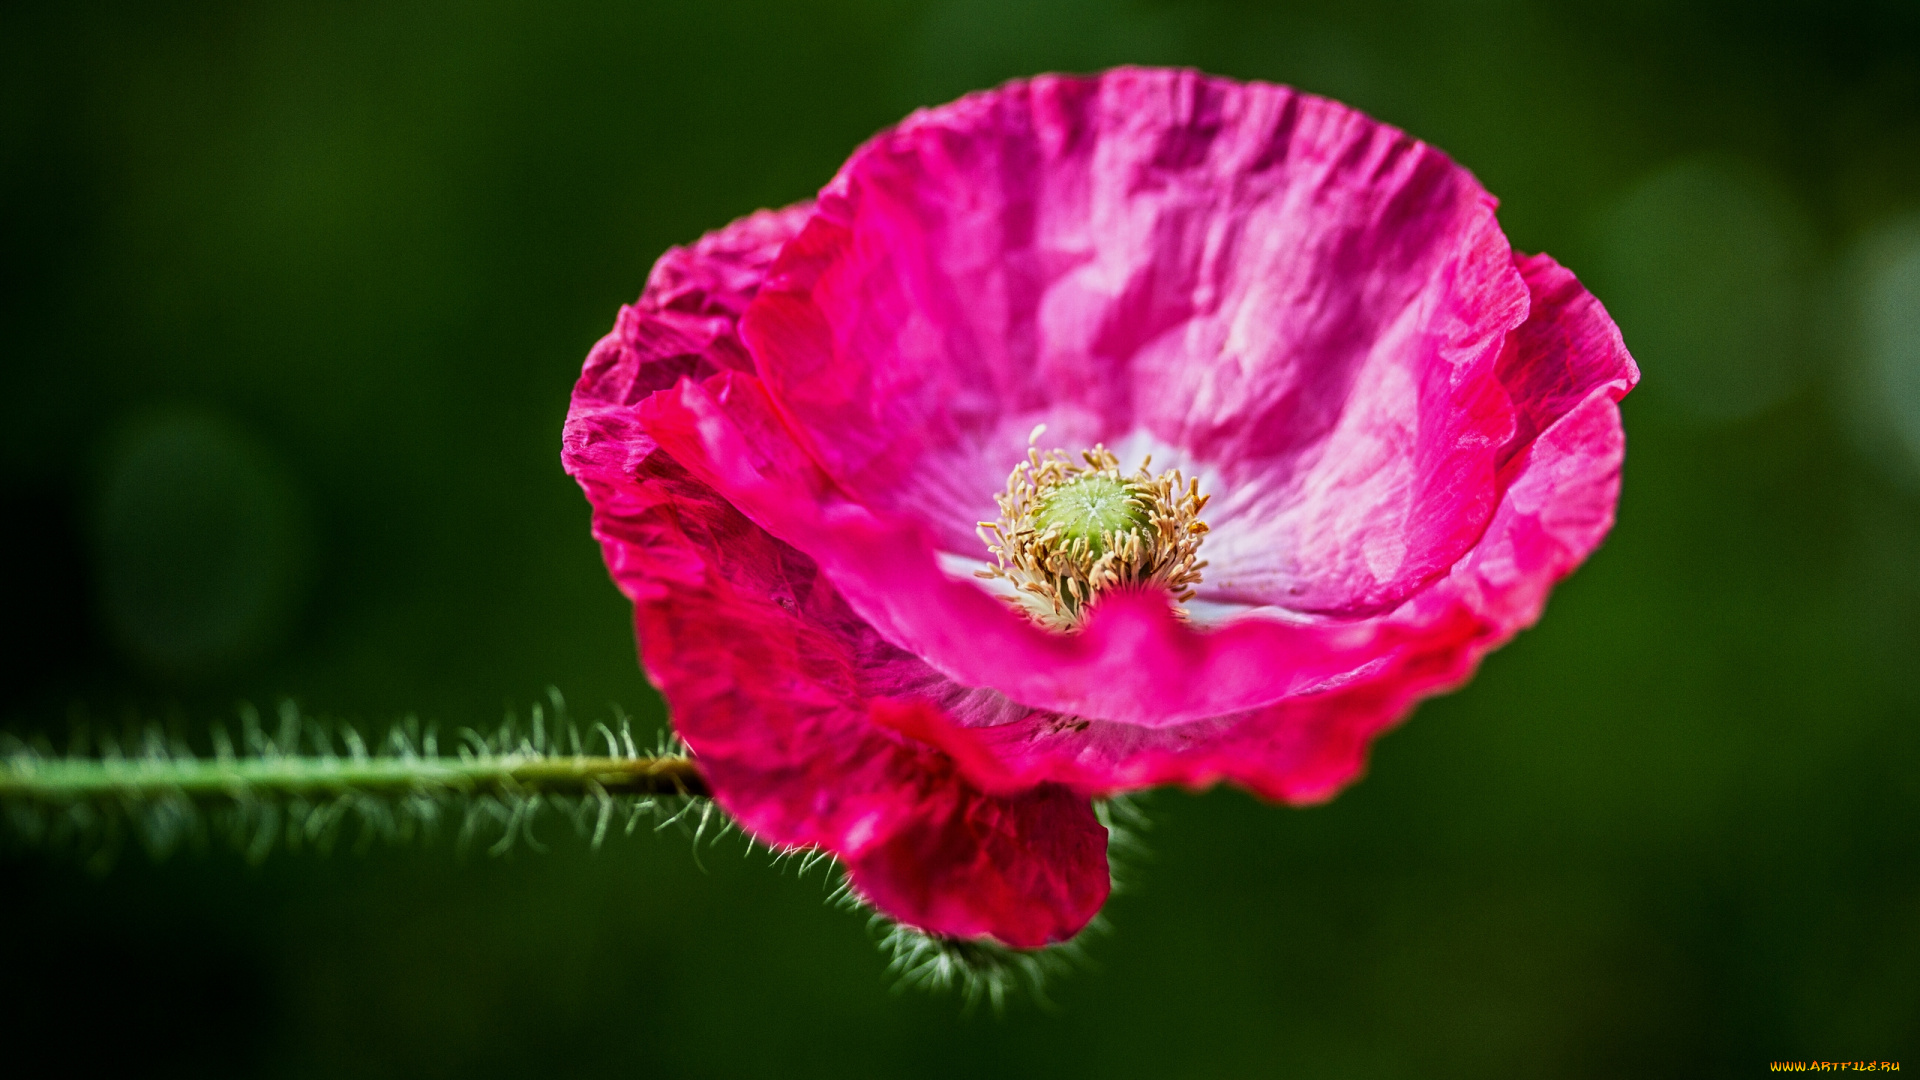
{"x": 1068, "y": 532}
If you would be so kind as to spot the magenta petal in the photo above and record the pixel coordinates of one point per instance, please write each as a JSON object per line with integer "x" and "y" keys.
{"x": 687, "y": 323}
{"x": 1566, "y": 369}
{"x": 797, "y": 711}
{"x": 1144, "y": 258}
{"x": 1299, "y": 302}
{"x": 1028, "y": 871}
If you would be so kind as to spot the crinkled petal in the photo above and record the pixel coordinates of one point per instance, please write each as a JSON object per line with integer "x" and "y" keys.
{"x": 787, "y": 698}
{"x": 1566, "y": 369}
{"x": 1302, "y": 305}
{"x": 688, "y": 321}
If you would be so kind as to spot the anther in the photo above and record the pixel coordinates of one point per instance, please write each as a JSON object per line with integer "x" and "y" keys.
{"x": 1068, "y": 532}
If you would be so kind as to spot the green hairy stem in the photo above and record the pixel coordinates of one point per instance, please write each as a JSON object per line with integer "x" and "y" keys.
{"x": 67, "y": 780}
{"x": 305, "y": 782}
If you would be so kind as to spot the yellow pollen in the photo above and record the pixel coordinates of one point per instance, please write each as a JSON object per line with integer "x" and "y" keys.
{"x": 1068, "y": 532}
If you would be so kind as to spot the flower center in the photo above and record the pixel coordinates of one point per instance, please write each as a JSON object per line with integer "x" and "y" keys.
{"x": 1069, "y": 532}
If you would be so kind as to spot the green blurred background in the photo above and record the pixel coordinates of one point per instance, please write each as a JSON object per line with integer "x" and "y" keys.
{"x": 294, "y": 297}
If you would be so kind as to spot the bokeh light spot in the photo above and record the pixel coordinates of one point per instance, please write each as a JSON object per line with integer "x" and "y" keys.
{"x": 1885, "y": 286}
{"x": 201, "y": 544}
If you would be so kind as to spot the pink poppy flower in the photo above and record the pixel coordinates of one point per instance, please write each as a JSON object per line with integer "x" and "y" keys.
{"x": 1392, "y": 436}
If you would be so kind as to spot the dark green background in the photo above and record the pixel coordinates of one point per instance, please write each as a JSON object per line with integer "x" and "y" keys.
{"x": 294, "y": 296}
